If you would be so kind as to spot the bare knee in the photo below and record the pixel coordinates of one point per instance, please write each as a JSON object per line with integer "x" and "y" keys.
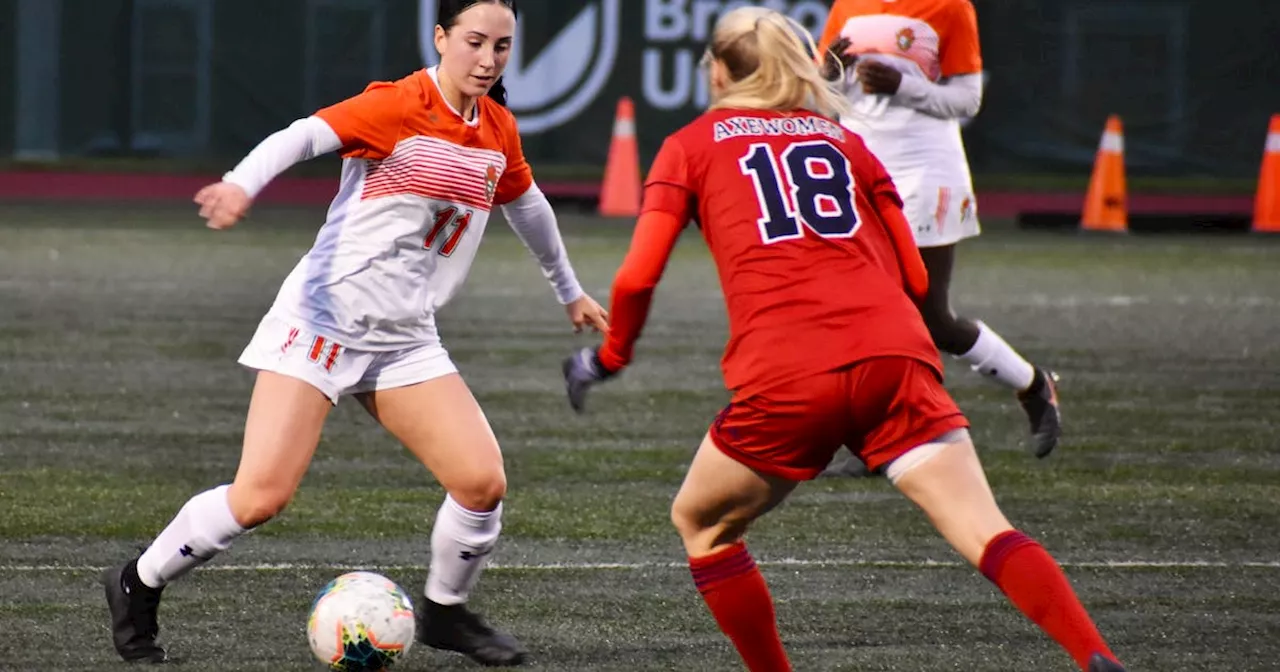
{"x": 971, "y": 540}
{"x": 482, "y": 492}
{"x": 686, "y": 524}
{"x": 702, "y": 533}
{"x": 253, "y": 505}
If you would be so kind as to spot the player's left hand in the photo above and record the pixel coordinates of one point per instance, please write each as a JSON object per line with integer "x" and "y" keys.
{"x": 839, "y": 58}
{"x": 876, "y": 77}
{"x": 582, "y": 370}
{"x": 584, "y": 311}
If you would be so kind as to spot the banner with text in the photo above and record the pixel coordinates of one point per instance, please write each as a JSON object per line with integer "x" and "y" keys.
{"x": 193, "y": 78}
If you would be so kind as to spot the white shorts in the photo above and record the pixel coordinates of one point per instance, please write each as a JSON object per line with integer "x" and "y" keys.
{"x": 292, "y": 350}
{"x": 939, "y": 215}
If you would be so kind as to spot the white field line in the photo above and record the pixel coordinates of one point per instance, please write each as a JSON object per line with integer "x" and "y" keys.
{"x": 631, "y": 566}
{"x": 1036, "y": 299}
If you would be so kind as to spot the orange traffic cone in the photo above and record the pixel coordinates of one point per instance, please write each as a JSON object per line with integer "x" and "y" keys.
{"x": 1106, "y": 206}
{"x": 1266, "y": 207}
{"x": 620, "y": 193}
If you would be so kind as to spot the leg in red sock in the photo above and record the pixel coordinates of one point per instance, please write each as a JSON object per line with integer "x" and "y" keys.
{"x": 1032, "y": 580}
{"x": 736, "y": 592}
{"x": 948, "y": 484}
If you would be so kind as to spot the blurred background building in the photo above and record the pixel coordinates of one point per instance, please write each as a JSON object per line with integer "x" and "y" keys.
{"x": 199, "y": 82}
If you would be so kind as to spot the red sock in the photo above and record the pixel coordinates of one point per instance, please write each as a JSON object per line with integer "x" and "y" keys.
{"x": 1035, "y": 584}
{"x": 735, "y": 591}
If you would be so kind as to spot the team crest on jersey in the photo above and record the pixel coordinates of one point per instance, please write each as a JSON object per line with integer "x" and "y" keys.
{"x": 490, "y": 182}
{"x": 906, "y": 38}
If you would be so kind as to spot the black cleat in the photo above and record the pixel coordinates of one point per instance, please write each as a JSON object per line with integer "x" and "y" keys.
{"x": 582, "y": 370}
{"x": 1040, "y": 401}
{"x": 133, "y": 607}
{"x": 456, "y": 628}
{"x": 1100, "y": 663}
{"x": 851, "y": 467}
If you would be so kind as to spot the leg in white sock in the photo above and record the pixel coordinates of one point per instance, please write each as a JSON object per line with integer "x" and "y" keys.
{"x": 994, "y": 358}
{"x": 203, "y": 528}
{"x": 970, "y": 340}
{"x": 457, "y": 445}
{"x": 461, "y": 542}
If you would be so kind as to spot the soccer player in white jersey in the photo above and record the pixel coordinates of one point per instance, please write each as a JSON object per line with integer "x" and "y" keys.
{"x": 425, "y": 160}
{"x": 913, "y": 72}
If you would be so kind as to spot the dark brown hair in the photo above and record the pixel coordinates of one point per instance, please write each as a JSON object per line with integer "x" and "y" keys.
{"x": 447, "y": 17}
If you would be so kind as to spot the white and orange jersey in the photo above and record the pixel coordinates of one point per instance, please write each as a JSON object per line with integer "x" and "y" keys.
{"x": 929, "y": 39}
{"x": 418, "y": 184}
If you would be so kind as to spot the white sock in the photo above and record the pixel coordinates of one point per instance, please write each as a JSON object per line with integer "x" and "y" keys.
{"x": 994, "y": 358}
{"x": 461, "y": 542}
{"x": 203, "y": 527}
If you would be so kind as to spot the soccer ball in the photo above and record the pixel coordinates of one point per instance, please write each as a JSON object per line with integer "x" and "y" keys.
{"x": 361, "y": 622}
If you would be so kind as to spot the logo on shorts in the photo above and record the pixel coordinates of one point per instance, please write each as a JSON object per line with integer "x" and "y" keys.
{"x": 490, "y": 182}
{"x": 324, "y": 352}
{"x": 293, "y": 336}
{"x": 906, "y": 38}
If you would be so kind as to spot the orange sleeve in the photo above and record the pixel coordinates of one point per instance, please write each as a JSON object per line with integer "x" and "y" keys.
{"x": 368, "y": 124}
{"x": 835, "y": 23}
{"x": 961, "y": 54}
{"x": 655, "y": 236}
{"x": 518, "y": 176}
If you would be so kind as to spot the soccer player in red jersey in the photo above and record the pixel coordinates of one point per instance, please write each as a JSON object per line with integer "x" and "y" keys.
{"x": 827, "y": 347}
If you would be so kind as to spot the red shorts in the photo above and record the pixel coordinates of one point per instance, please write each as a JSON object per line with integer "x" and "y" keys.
{"x": 880, "y": 408}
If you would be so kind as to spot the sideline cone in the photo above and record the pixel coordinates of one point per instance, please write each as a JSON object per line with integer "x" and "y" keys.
{"x": 1106, "y": 204}
{"x": 1266, "y": 207}
{"x": 620, "y": 193}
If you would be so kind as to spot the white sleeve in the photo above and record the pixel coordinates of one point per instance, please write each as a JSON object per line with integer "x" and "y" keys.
{"x": 533, "y": 220}
{"x": 952, "y": 98}
{"x": 303, "y": 139}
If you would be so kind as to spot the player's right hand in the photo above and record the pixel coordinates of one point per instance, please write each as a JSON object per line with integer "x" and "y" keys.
{"x": 222, "y": 204}
{"x": 582, "y": 370}
{"x": 838, "y": 58}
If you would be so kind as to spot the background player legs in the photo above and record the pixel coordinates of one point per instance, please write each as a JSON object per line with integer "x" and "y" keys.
{"x": 987, "y": 353}
{"x": 719, "y": 499}
{"x": 952, "y": 334}
{"x": 952, "y": 490}
{"x": 285, "y": 418}
{"x": 440, "y": 422}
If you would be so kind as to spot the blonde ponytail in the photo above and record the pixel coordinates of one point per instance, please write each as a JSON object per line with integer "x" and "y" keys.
{"x": 768, "y": 57}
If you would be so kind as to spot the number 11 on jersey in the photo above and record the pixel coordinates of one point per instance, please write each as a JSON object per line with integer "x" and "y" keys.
{"x": 810, "y": 184}
{"x": 445, "y": 218}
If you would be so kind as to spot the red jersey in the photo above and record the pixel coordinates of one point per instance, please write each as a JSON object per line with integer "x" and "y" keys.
{"x": 807, "y": 234}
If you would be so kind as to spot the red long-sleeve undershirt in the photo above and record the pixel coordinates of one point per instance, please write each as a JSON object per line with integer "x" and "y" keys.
{"x": 651, "y": 245}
